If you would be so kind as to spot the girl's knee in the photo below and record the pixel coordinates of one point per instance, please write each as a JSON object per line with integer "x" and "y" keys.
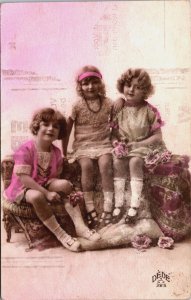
{"x": 61, "y": 185}
{"x": 136, "y": 167}
{"x": 117, "y": 163}
{"x": 86, "y": 163}
{"x": 136, "y": 161}
{"x": 67, "y": 186}
{"x": 34, "y": 197}
{"x": 120, "y": 167}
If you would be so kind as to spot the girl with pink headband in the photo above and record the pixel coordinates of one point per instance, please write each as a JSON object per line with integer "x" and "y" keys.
{"x": 90, "y": 115}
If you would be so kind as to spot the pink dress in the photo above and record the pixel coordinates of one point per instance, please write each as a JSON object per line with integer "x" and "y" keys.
{"x": 41, "y": 166}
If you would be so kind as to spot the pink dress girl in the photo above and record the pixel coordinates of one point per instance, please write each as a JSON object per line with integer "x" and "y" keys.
{"x": 35, "y": 179}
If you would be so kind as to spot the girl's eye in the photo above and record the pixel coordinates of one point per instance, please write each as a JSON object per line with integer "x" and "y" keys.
{"x": 127, "y": 84}
{"x": 45, "y": 124}
{"x": 56, "y": 126}
{"x": 84, "y": 83}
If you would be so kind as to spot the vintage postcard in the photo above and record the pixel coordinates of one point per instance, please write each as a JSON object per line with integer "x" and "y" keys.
{"x": 140, "y": 45}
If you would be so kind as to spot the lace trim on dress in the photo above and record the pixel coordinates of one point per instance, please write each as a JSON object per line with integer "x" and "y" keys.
{"x": 22, "y": 169}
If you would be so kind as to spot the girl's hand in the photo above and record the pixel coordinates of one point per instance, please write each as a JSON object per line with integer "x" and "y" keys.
{"x": 52, "y": 196}
{"x": 118, "y": 105}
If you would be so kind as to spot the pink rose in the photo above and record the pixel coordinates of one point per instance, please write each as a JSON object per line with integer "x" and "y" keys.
{"x": 165, "y": 242}
{"x": 115, "y": 143}
{"x": 75, "y": 198}
{"x": 152, "y": 158}
{"x": 166, "y": 156}
{"x": 120, "y": 149}
{"x": 141, "y": 242}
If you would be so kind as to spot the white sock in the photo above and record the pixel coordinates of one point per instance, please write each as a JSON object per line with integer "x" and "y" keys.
{"x": 76, "y": 216}
{"x": 108, "y": 201}
{"x": 136, "y": 190}
{"x": 89, "y": 200}
{"x": 52, "y": 224}
{"x": 119, "y": 187}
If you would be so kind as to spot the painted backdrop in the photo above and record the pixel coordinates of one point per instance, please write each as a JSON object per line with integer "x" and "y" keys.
{"x": 44, "y": 44}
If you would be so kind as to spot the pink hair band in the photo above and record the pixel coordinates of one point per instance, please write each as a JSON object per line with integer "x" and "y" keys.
{"x": 89, "y": 74}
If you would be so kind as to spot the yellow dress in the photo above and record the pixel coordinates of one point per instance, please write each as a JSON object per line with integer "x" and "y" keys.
{"x": 137, "y": 123}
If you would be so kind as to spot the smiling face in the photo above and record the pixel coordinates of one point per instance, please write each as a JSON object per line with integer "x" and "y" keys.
{"x": 133, "y": 92}
{"x": 48, "y": 131}
{"x": 91, "y": 87}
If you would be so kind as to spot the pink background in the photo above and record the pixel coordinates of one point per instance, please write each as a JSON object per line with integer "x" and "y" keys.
{"x": 44, "y": 44}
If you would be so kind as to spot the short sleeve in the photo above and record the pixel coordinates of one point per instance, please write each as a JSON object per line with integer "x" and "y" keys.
{"x": 73, "y": 112}
{"x": 22, "y": 161}
{"x": 154, "y": 119}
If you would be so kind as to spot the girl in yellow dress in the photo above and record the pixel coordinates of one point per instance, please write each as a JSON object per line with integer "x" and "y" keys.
{"x": 138, "y": 129}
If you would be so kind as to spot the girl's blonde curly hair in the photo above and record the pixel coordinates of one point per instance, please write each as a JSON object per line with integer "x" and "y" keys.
{"x": 144, "y": 81}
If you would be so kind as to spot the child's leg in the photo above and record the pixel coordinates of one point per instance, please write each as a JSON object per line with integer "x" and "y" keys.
{"x": 44, "y": 213}
{"x": 120, "y": 175}
{"x": 81, "y": 229}
{"x": 136, "y": 174}
{"x": 87, "y": 168}
{"x": 105, "y": 163}
{"x": 61, "y": 185}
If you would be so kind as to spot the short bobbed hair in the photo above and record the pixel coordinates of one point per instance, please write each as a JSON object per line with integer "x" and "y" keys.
{"x": 49, "y": 115}
{"x": 89, "y": 68}
{"x": 144, "y": 81}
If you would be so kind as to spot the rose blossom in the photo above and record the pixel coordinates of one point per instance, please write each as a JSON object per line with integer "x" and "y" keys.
{"x": 166, "y": 156}
{"x": 152, "y": 158}
{"x": 141, "y": 242}
{"x": 120, "y": 149}
{"x": 75, "y": 198}
{"x": 165, "y": 242}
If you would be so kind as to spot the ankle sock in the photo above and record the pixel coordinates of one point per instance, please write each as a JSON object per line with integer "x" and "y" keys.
{"x": 52, "y": 224}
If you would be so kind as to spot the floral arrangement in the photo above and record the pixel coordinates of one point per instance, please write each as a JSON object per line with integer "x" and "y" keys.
{"x": 142, "y": 242}
{"x": 156, "y": 157}
{"x": 165, "y": 242}
{"x": 75, "y": 198}
{"x": 120, "y": 149}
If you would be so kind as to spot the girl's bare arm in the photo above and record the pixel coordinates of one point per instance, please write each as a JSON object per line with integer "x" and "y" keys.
{"x": 65, "y": 141}
{"x": 29, "y": 182}
{"x": 153, "y": 139}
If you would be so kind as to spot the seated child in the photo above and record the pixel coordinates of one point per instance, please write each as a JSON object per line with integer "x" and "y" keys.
{"x": 137, "y": 129}
{"x": 90, "y": 115}
{"x": 35, "y": 179}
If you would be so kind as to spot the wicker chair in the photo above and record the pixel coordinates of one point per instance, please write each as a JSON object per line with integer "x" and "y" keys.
{"x": 23, "y": 218}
